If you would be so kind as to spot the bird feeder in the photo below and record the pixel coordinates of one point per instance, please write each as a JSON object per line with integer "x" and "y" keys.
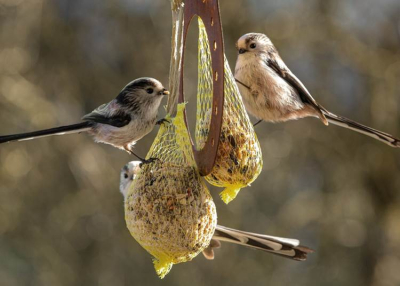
{"x": 169, "y": 209}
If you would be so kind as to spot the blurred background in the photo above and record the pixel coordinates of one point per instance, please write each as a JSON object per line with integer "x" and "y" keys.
{"x": 61, "y": 215}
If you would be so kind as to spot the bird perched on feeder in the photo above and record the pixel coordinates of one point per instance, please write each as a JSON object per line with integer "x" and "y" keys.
{"x": 120, "y": 123}
{"x": 286, "y": 247}
{"x": 271, "y": 92}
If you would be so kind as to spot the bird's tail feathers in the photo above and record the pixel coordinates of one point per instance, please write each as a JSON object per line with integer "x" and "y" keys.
{"x": 353, "y": 125}
{"x": 69, "y": 129}
{"x": 286, "y": 247}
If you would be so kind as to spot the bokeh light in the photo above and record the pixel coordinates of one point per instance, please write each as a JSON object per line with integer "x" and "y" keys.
{"x": 61, "y": 214}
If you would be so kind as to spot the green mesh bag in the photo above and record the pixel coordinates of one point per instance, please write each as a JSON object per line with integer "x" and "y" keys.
{"x": 168, "y": 209}
{"x": 239, "y": 159}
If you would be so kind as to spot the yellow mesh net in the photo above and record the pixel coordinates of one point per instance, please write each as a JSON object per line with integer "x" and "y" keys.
{"x": 168, "y": 209}
{"x": 239, "y": 158}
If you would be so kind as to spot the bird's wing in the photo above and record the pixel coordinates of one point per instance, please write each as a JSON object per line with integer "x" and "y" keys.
{"x": 99, "y": 115}
{"x": 285, "y": 73}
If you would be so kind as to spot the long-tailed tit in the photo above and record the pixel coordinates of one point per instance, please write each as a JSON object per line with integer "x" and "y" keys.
{"x": 271, "y": 92}
{"x": 286, "y": 247}
{"x": 120, "y": 123}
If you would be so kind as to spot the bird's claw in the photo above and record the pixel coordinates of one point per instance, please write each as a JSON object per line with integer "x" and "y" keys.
{"x": 148, "y": 161}
{"x": 258, "y": 122}
{"x": 162, "y": 121}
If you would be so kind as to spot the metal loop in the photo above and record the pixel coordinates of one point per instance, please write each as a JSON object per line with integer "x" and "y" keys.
{"x": 208, "y": 11}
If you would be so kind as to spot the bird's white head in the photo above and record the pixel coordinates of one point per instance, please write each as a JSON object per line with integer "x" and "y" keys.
{"x": 128, "y": 173}
{"x": 253, "y": 44}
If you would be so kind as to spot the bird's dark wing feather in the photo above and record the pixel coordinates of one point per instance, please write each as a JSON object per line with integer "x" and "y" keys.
{"x": 277, "y": 64}
{"x": 120, "y": 119}
{"x": 281, "y": 69}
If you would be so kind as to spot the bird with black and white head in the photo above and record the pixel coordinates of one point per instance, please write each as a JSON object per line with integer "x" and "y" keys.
{"x": 120, "y": 123}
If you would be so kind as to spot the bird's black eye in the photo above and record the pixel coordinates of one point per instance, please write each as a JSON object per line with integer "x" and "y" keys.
{"x": 149, "y": 90}
{"x": 126, "y": 176}
{"x": 253, "y": 46}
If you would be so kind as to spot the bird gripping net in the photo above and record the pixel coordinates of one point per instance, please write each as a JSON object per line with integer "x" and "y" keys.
{"x": 169, "y": 209}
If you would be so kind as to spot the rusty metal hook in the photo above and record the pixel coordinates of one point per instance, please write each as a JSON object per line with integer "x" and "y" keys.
{"x": 208, "y": 11}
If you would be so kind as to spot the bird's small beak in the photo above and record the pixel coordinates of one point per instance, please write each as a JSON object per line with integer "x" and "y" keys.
{"x": 242, "y": 51}
{"x": 164, "y": 92}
